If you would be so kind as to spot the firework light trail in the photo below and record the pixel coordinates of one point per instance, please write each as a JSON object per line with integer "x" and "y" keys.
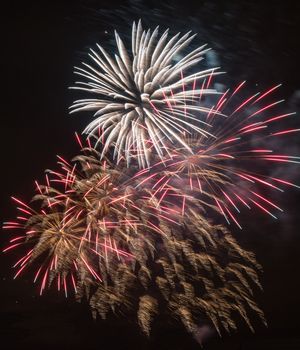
{"x": 96, "y": 228}
{"x": 231, "y": 169}
{"x": 134, "y": 93}
{"x": 80, "y": 205}
{"x": 139, "y": 238}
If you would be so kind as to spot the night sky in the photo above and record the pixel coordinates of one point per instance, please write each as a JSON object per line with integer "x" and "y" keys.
{"x": 253, "y": 40}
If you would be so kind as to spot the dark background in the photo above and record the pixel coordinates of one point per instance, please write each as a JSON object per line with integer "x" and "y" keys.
{"x": 253, "y": 40}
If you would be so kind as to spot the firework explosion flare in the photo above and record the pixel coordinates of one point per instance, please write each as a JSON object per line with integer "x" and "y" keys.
{"x": 143, "y": 100}
{"x": 149, "y": 238}
{"x": 112, "y": 241}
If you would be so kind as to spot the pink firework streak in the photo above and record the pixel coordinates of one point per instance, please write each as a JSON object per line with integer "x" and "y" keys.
{"x": 231, "y": 165}
{"x": 84, "y": 219}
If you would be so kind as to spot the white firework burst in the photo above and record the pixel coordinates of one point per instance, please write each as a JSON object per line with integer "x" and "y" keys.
{"x": 144, "y": 99}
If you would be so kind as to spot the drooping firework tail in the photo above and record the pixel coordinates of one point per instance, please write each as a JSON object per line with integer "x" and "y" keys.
{"x": 132, "y": 223}
{"x": 118, "y": 244}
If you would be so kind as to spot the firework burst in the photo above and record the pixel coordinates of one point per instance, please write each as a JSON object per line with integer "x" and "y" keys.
{"x": 81, "y": 210}
{"x": 127, "y": 249}
{"x": 144, "y": 99}
{"x": 138, "y": 239}
{"x": 230, "y": 169}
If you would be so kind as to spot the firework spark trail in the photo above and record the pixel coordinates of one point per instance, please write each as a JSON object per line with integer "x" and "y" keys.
{"x": 142, "y": 98}
{"x": 98, "y": 227}
{"x": 231, "y": 167}
{"x": 62, "y": 226}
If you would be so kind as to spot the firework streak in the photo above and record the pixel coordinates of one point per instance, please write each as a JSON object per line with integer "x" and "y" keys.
{"x": 149, "y": 238}
{"x": 101, "y": 234}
